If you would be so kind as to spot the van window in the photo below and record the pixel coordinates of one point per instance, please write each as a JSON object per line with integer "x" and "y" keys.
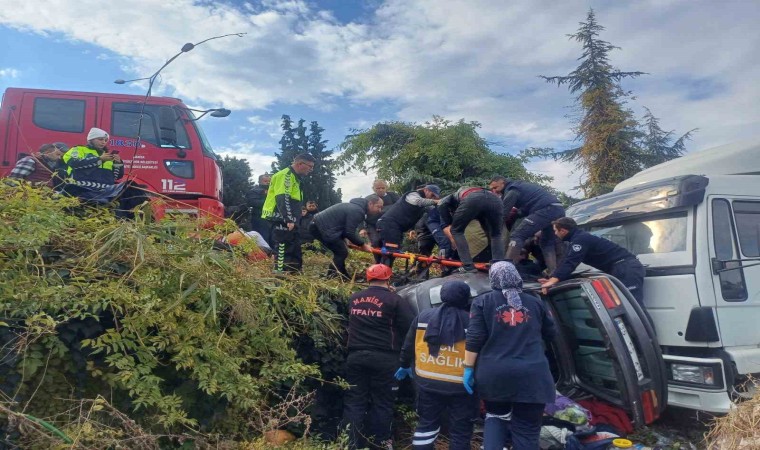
{"x": 125, "y": 117}
{"x": 59, "y": 114}
{"x": 747, "y": 215}
{"x": 648, "y": 235}
{"x": 732, "y": 285}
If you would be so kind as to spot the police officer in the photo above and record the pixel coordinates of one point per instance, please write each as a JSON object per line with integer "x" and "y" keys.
{"x": 255, "y": 199}
{"x": 282, "y": 208}
{"x": 435, "y": 345}
{"x": 377, "y": 322}
{"x": 402, "y": 216}
{"x": 338, "y": 223}
{"x": 599, "y": 253}
{"x": 538, "y": 206}
{"x": 457, "y": 210}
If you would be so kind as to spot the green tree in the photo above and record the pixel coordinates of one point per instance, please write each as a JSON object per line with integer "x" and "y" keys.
{"x": 320, "y": 185}
{"x": 288, "y": 146}
{"x": 657, "y": 145}
{"x": 237, "y": 180}
{"x": 608, "y": 130}
{"x": 446, "y": 152}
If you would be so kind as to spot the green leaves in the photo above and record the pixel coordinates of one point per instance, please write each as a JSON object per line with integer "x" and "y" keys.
{"x": 147, "y": 315}
{"x": 439, "y": 149}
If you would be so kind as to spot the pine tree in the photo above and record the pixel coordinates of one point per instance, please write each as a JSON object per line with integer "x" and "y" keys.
{"x": 656, "y": 147}
{"x": 288, "y": 149}
{"x": 319, "y": 186}
{"x": 608, "y": 130}
{"x": 322, "y": 180}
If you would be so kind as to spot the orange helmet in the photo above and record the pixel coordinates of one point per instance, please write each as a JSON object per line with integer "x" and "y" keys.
{"x": 378, "y": 272}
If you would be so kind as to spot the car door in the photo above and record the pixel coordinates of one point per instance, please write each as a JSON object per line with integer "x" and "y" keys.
{"x": 605, "y": 345}
{"x": 609, "y": 346}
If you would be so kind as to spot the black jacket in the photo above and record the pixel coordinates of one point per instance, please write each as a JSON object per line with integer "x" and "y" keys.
{"x": 527, "y": 197}
{"x": 593, "y": 250}
{"x": 255, "y": 199}
{"x": 389, "y": 199}
{"x": 511, "y": 364}
{"x": 378, "y": 319}
{"x": 303, "y": 227}
{"x": 342, "y": 221}
{"x": 404, "y": 214}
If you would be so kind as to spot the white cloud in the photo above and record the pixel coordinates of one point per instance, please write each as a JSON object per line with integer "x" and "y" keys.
{"x": 9, "y": 73}
{"x": 477, "y": 60}
{"x": 260, "y": 163}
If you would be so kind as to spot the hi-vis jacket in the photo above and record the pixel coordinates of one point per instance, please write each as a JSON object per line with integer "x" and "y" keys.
{"x": 441, "y": 374}
{"x": 83, "y": 164}
{"x": 283, "y": 202}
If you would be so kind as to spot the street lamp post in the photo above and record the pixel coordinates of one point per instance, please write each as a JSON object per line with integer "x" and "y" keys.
{"x": 152, "y": 79}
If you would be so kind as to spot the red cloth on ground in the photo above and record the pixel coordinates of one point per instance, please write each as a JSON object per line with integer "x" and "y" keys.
{"x": 605, "y": 413}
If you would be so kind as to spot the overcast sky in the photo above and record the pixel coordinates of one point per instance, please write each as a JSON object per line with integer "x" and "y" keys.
{"x": 349, "y": 64}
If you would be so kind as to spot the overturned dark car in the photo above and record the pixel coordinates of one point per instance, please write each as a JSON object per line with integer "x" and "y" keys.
{"x": 605, "y": 348}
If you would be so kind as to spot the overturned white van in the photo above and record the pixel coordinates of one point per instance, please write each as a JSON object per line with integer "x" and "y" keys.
{"x": 694, "y": 222}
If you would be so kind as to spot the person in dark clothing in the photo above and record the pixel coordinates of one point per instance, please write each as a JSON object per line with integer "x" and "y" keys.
{"x": 43, "y": 167}
{"x": 380, "y": 188}
{"x": 527, "y": 267}
{"x": 282, "y": 208}
{"x": 422, "y": 235}
{"x": 307, "y": 217}
{"x": 505, "y": 338}
{"x": 538, "y": 207}
{"x": 402, "y": 216}
{"x": 255, "y": 199}
{"x": 340, "y": 222}
{"x": 434, "y": 345}
{"x": 599, "y": 253}
{"x": 377, "y": 322}
{"x": 457, "y": 210}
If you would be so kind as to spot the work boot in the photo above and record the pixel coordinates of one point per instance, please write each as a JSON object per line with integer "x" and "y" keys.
{"x": 467, "y": 268}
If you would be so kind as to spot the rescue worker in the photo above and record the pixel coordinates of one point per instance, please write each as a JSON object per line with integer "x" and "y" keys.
{"x": 457, "y": 210}
{"x": 599, "y": 253}
{"x": 41, "y": 168}
{"x": 255, "y": 199}
{"x": 338, "y": 223}
{"x": 307, "y": 217}
{"x": 538, "y": 207}
{"x": 380, "y": 188}
{"x": 377, "y": 323}
{"x": 93, "y": 166}
{"x": 435, "y": 345}
{"x": 95, "y": 169}
{"x": 282, "y": 208}
{"x": 512, "y": 375}
{"x": 402, "y": 216}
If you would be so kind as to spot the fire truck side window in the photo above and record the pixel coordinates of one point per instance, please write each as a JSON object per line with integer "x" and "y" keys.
{"x": 59, "y": 114}
{"x": 125, "y": 123}
{"x": 125, "y": 117}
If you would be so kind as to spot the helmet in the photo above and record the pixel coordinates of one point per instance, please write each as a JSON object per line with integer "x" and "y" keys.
{"x": 378, "y": 272}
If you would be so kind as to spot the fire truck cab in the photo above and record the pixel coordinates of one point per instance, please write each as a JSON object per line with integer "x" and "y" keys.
{"x": 173, "y": 157}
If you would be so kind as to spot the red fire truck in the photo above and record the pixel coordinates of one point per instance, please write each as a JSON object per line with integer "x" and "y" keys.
{"x": 173, "y": 157}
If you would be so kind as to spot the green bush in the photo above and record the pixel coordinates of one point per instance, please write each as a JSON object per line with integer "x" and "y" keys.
{"x": 151, "y": 317}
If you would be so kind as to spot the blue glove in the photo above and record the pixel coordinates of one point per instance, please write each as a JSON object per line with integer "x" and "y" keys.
{"x": 469, "y": 379}
{"x": 403, "y": 372}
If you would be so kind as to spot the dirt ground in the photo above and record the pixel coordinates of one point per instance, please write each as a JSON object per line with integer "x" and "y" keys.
{"x": 677, "y": 429}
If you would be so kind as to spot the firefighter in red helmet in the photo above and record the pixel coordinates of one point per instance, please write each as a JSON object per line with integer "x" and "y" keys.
{"x": 377, "y": 323}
